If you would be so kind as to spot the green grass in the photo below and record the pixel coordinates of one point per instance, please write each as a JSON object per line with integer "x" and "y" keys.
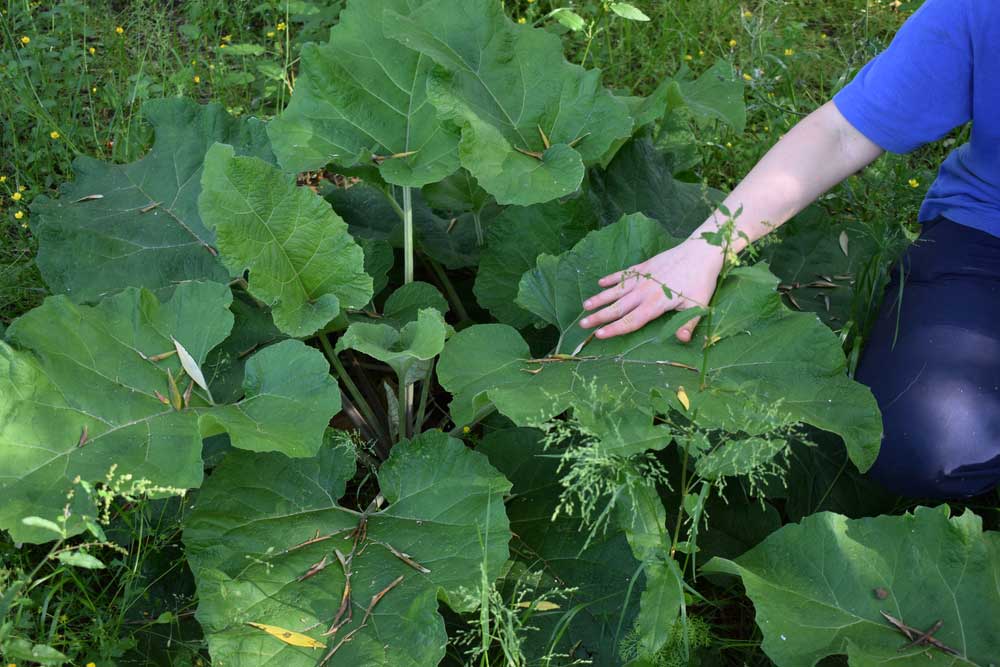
{"x": 77, "y": 87}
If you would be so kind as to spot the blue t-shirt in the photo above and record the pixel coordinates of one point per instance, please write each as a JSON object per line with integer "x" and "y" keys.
{"x": 941, "y": 71}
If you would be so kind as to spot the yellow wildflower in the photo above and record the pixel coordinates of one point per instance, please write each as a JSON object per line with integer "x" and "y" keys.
{"x": 748, "y": 14}
{"x": 281, "y": 26}
{"x": 197, "y": 79}
{"x": 732, "y": 43}
{"x": 90, "y": 664}
{"x": 466, "y": 429}
{"x": 522, "y": 20}
{"x": 3, "y": 179}
{"x": 270, "y": 33}
{"x": 822, "y": 35}
{"x": 120, "y": 30}
{"x": 92, "y": 50}
{"x": 767, "y": 128}
{"x": 223, "y": 45}
{"x": 21, "y": 188}
{"x": 94, "y": 89}
{"x": 25, "y": 40}
{"x": 227, "y": 38}
{"x": 789, "y": 52}
{"x": 747, "y": 77}
{"x": 914, "y": 183}
{"x": 19, "y": 215}
{"x": 729, "y": 144}
{"x": 53, "y": 135}
{"x": 16, "y": 196}
{"x": 700, "y": 52}
{"x": 689, "y": 57}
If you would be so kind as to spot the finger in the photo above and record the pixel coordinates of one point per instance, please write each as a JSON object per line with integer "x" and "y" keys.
{"x": 686, "y": 331}
{"x": 618, "y": 309}
{"x": 617, "y": 277}
{"x": 609, "y": 295}
{"x": 632, "y": 321}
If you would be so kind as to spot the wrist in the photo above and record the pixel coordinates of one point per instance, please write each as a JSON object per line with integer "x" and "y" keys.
{"x": 712, "y": 255}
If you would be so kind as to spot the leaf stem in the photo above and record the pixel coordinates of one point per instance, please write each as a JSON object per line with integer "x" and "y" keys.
{"x": 352, "y": 388}
{"x": 425, "y": 390}
{"x": 449, "y": 288}
{"x": 404, "y": 409}
{"x": 407, "y": 235}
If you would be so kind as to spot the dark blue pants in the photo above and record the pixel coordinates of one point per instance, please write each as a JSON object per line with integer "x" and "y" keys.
{"x": 939, "y": 385}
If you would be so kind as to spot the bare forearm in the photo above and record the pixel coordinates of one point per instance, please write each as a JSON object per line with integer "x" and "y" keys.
{"x": 820, "y": 151}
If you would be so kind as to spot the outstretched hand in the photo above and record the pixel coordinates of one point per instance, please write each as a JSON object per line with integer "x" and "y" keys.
{"x": 677, "y": 279}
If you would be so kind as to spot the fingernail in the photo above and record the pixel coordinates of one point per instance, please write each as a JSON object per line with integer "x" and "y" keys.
{"x": 600, "y": 333}
{"x": 586, "y": 304}
{"x": 584, "y": 322}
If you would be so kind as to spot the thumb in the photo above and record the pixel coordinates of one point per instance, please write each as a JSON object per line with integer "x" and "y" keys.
{"x": 686, "y": 331}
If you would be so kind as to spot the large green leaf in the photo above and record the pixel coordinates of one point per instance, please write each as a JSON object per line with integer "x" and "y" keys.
{"x": 640, "y": 180}
{"x": 363, "y": 95}
{"x": 715, "y": 95}
{"x": 763, "y": 355}
{"x": 445, "y": 510}
{"x": 137, "y": 225}
{"x": 302, "y": 262}
{"x": 817, "y": 275}
{"x": 77, "y": 397}
{"x": 601, "y": 570}
{"x": 506, "y": 86}
{"x": 819, "y": 588}
{"x": 514, "y": 242}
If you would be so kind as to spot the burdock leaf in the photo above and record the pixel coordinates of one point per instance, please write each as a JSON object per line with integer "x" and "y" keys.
{"x": 762, "y": 353}
{"x": 91, "y": 247}
{"x": 444, "y": 509}
{"x": 67, "y": 369}
{"x": 362, "y": 95}
{"x": 812, "y": 586}
{"x": 514, "y": 242}
{"x": 301, "y": 259}
{"x": 509, "y": 88}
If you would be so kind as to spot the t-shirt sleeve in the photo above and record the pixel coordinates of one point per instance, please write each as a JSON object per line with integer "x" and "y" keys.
{"x": 920, "y": 88}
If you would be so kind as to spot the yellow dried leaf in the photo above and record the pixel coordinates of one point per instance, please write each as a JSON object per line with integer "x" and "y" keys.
{"x": 544, "y": 605}
{"x": 288, "y": 636}
{"x": 683, "y": 398}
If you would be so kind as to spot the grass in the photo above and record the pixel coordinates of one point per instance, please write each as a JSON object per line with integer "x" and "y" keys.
{"x": 75, "y": 74}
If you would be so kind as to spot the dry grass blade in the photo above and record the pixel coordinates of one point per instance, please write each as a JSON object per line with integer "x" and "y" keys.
{"x": 364, "y": 621}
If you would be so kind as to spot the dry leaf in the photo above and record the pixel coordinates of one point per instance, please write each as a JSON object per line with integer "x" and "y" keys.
{"x": 289, "y": 637}
{"x": 544, "y": 605}
{"x": 843, "y": 242}
{"x": 683, "y": 398}
{"x": 190, "y": 365}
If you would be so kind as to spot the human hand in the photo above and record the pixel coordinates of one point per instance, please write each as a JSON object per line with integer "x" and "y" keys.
{"x": 677, "y": 279}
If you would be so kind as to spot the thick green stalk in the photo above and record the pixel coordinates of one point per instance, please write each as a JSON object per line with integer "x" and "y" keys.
{"x": 407, "y": 235}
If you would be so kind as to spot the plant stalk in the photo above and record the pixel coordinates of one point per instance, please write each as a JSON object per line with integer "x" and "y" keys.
{"x": 404, "y": 408}
{"x": 449, "y": 288}
{"x": 352, "y": 388}
{"x": 425, "y": 390}
{"x": 407, "y": 235}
